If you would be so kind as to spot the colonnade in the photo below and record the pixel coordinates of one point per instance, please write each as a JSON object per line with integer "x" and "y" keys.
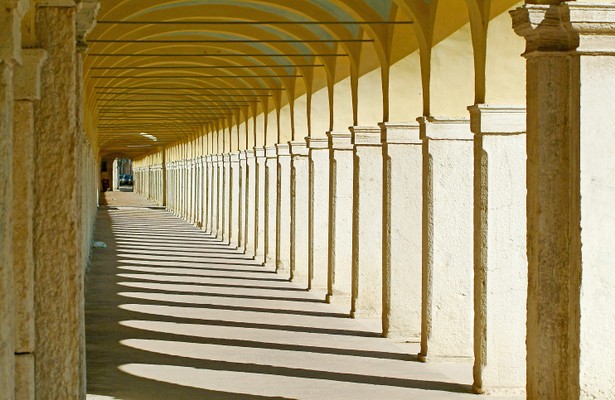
{"x": 433, "y": 226}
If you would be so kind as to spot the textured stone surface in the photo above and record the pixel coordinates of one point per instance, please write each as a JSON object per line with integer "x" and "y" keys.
{"x": 6, "y": 233}
{"x": 367, "y": 223}
{"x": 24, "y": 377}
{"x": 402, "y": 231}
{"x": 299, "y": 181}
{"x": 271, "y": 209}
{"x": 500, "y": 260}
{"x": 340, "y": 218}
{"x": 58, "y": 266}
{"x": 319, "y": 213}
{"x": 447, "y": 327}
{"x": 284, "y": 220}
{"x": 23, "y": 211}
{"x": 259, "y": 199}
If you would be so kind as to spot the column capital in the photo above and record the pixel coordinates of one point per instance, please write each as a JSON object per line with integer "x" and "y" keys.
{"x": 439, "y": 128}
{"x": 28, "y": 75}
{"x": 340, "y": 140}
{"x": 317, "y": 143}
{"x": 400, "y": 133}
{"x": 298, "y": 148}
{"x": 283, "y": 149}
{"x": 259, "y": 152}
{"x": 271, "y": 152}
{"x": 581, "y": 26}
{"x": 493, "y": 119}
{"x": 366, "y": 135}
{"x": 86, "y": 21}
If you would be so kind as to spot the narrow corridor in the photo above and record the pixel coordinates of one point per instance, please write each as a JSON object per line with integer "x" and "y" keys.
{"x": 172, "y": 313}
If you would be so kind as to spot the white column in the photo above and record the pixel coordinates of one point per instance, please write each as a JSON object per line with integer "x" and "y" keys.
{"x": 283, "y": 236}
{"x": 250, "y": 225}
{"x": 221, "y": 198}
{"x": 341, "y": 175}
{"x": 299, "y": 211}
{"x": 209, "y": 195}
{"x": 447, "y": 328}
{"x": 319, "y": 213}
{"x": 367, "y": 223}
{"x": 259, "y": 201}
{"x": 235, "y": 194}
{"x": 226, "y": 196}
{"x": 242, "y": 217}
{"x": 500, "y": 261}
{"x": 570, "y": 197}
{"x": 402, "y": 149}
{"x": 215, "y": 195}
{"x": 271, "y": 194}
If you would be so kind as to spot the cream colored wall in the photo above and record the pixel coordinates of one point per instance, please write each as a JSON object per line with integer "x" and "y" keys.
{"x": 505, "y": 69}
{"x": 405, "y": 89}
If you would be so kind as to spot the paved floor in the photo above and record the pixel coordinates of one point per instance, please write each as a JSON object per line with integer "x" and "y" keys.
{"x": 172, "y": 313}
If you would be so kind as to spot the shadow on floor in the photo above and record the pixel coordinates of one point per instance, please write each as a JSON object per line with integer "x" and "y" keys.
{"x": 169, "y": 326}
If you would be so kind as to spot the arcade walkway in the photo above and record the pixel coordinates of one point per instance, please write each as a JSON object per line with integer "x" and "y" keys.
{"x": 172, "y": 313}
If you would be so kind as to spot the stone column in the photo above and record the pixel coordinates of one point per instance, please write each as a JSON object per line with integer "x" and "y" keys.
{"x": 250, "y": 184}
{"x": 402, "y": 230}
{"x": 225, "y": 208}
{"x": 204, "y": 192}
{"x": 234, "y": 200}
{"x": 319, "y": 213}
{"x": 242, "y": 217}
{"x": 570, "y": 195}
{"x": 299, "y": 213}
{"x": 367, "y": 223}
{"x": 259, "y": 199}
{"x": 58, "y": 289}
{"x": 209, "y": 195}
{"x": 10, "y": 53}
{"x": 341, "y": 174}
{"x": 271, "y": 194}
{"x": 283, "y": 223}
{"x": 215, "y": 195}
{"x": 27, "y": 91}
{"x": 221, "y": 209}
{"x": 448, "y": 198}
{"x": 500, "y": 261}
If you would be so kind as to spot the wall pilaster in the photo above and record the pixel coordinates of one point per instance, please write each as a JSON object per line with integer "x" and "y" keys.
{"x": 367, "y": 223}
{"x": 402, "y": 230}
{"x": 447, "y": 323}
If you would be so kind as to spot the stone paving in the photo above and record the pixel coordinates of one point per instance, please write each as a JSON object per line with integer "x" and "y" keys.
{"x": 173, "y": 313}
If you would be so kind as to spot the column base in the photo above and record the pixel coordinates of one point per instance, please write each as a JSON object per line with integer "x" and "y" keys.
{"x": 402, "y": 336}
{"x": 442, "y": 358}
{"x": 498, "y": 391}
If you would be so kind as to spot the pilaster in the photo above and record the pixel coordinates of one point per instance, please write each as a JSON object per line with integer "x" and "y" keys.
{"x": 402, "y": 151}
{"x": 251, "y": 214}
{"x": 500, "y": 261}
{"x": 570, "y": 221}
{"x": 299, "y": 213}
{"x": 367, "y": 223}
{"x": 260, "y": 190}
{"x": 448, "y": 198}
{"x": 319, "y": 212}
{"x": 339, "y": 284}
{"x": 271, "y": 195}
{"x": 234, "y": 206}
{"x": 27, "y": 91}
{"x": 225, "y": 207}
{"x": 242, "y": 217}
{"x": 283, "y": 237}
